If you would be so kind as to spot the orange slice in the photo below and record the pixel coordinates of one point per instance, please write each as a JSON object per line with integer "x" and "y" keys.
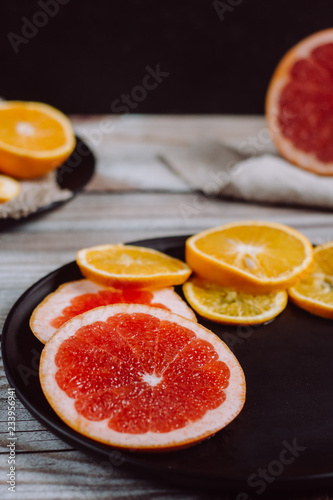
{"x": 34, "y": 138}
{"x": 77, "y": 297}
{"x": 252, "y": 256}
{"x": 9, "y": 188}
{"x": 315, "y": 292}
{"x": 228, "y": 306}
{"x": 140, "y": 377}
{"x": 126, "y": 266}
{"x": 299, "y": 104}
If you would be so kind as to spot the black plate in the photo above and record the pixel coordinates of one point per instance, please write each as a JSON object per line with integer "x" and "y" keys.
{"x": 285, "y": 428}
{"x": 74, "y": 174}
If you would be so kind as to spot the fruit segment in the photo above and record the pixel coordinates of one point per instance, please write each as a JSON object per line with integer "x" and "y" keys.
{"x": 87, "y": 301}
{"x": 121, "y": 362}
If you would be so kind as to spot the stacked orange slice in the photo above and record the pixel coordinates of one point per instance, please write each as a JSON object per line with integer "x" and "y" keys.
{"x": 126, "y": 266}
{"x": 314, "y": 293}
{"x": 242, "y": 270}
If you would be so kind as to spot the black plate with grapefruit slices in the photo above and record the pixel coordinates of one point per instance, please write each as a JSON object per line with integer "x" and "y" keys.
{"x": 74, "y": 175}
{"x": 283, "y": 438}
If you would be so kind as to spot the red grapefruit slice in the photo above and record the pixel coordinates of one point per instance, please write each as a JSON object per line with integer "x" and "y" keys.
{"x": 77, "y": 297}
{"x": 299, "y": 104}
{"x": 139, "y": 377}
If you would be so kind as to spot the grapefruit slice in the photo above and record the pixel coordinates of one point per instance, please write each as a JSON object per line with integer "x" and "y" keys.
{"x": 127, "y": 266}
{"x": 230, "y": 307}
{"x": 299, "y": 104}
{"x": 139, "y": 377}
{"x": 251, "y": 256}
{"x": 315, "y": 292}
{"x": 77, "y": 297}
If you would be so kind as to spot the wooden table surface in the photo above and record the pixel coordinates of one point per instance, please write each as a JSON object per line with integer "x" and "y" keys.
{"x": 133, "y": 195}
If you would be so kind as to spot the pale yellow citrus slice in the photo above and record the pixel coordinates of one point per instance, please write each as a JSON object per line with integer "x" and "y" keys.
{"x": 228, "y": 306}
{"x": 127, "y": 266}
{"x": 314, "y": 293}
{"x": 34, "y": 138}
{"x": 252, "y": 256}
{"x": 9, "y": 188}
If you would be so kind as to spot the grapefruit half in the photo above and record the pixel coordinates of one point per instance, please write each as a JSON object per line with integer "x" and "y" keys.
{"x": 77, "y": 297}
{"x": 299, "y": 104}
{"x": 139, "y": 377}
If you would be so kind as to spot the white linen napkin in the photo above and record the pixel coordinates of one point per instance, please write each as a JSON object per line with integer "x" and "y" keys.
{"x": 216, "y": 169}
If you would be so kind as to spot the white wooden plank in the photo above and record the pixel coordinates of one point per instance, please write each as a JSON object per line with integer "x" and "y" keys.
{"x": 170, "y": 130}
{"x": 117, "y": 214}
{"x": 128, "y": 155}
{"x": 71, "y": 474}
{"x": 35, "y": 441}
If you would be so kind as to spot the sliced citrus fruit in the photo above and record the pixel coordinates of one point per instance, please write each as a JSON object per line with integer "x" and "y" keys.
{"x": 77, "y": 297}
{"x": 126, "y": 266}
{"x": 9, "y": 188}
{"x": 228, "y": 306}
{"x": 314, "y": 293}
{"x": 252, "y": 256}
{"x": 140, "y": 377}
{"x": 299, "y": 104}
{"x": 34, "y": 138}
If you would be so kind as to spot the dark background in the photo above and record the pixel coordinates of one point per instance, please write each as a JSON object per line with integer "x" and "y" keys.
{"x": 91, "y": 52}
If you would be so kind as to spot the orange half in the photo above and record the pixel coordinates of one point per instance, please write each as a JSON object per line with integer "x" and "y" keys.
{"x": 34, "y": 138}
